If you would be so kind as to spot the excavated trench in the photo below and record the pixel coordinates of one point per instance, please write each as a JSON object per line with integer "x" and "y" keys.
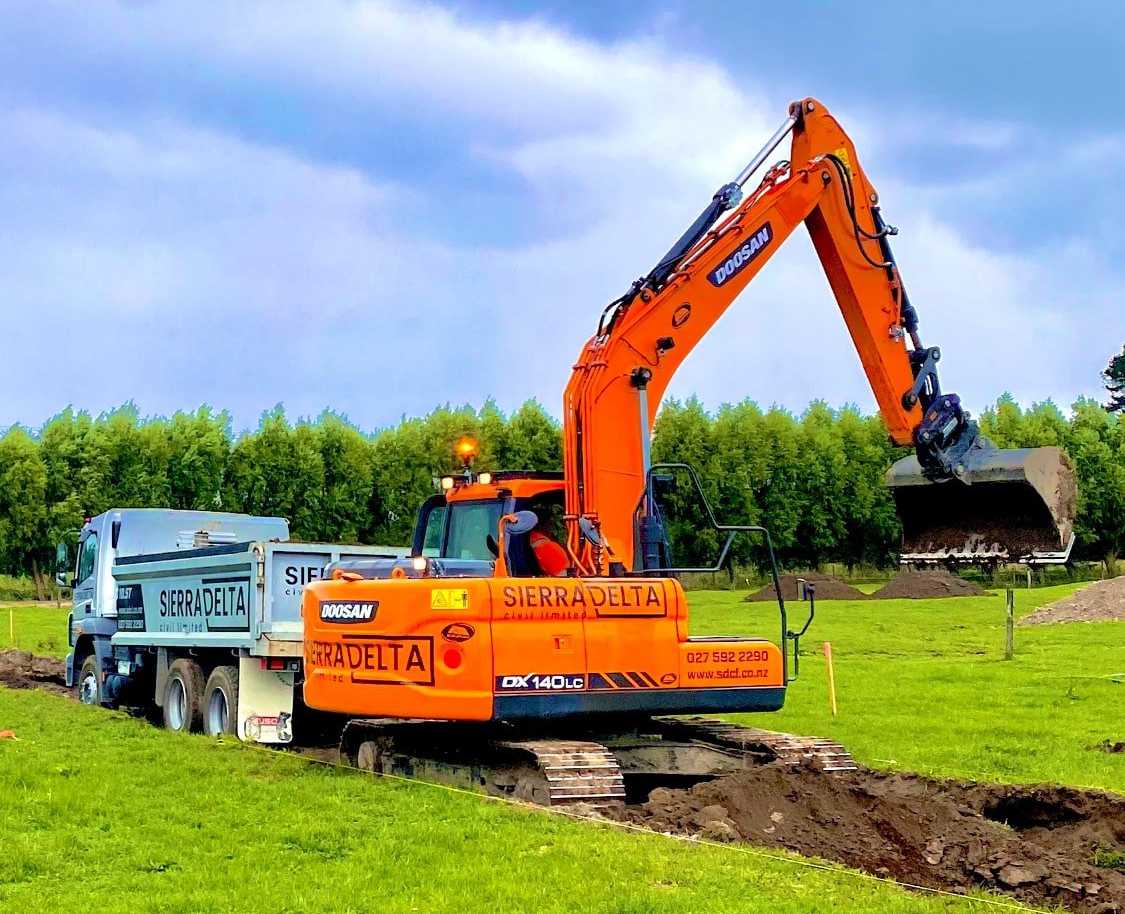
{"x": 1043, "y": 845}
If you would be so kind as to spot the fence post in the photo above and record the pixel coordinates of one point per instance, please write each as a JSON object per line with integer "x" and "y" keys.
{"x": 1009, "y": 624}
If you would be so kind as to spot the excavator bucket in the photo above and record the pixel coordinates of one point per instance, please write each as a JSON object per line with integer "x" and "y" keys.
{"x": 1009, "y": 505}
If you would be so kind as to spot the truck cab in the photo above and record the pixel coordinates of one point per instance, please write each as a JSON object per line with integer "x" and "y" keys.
{"x": 194, "y": 613}
{"x": 126, "y": 532}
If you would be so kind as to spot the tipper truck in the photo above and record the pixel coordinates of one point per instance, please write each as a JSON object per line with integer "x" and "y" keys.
{"x": 197, "y": 613}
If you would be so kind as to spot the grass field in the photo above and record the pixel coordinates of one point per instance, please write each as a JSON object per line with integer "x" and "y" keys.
{"x": 185, "y": 824}
{"x": 37, "y": 627}
{"x": 106, "y": 812}
{"x": 923, "y": 686}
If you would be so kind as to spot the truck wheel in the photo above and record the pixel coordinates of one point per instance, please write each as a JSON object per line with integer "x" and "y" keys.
{"x": 220, "y": 702}
{"x": 183, "y": 697}
{"x": 88, "y": 687}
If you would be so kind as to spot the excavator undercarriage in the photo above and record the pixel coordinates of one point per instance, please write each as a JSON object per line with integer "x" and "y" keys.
{"x": 619, "y": 761}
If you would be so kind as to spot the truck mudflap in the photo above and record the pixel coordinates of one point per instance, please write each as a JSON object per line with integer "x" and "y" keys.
{"x": 265, "y": 703}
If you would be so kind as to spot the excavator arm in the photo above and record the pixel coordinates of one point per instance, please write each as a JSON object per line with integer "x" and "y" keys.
{"x": 620, "y": 378}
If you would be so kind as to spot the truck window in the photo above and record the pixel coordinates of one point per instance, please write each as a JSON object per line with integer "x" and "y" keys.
{"x": 470, "y": 524}
{"x": 87, "y": 557}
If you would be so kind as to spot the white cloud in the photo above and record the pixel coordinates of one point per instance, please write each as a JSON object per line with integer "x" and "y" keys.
{"x": 215, "y": 268}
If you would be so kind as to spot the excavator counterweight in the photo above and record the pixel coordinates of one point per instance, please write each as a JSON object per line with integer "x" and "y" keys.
{"x": 1002, "y": 505}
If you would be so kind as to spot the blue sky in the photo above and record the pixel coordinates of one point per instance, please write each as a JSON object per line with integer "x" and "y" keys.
{"x": 379, "y": 207}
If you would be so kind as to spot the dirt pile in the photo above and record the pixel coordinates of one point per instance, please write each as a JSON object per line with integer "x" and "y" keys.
{"x": 1102, "y": 601}
{"x": 827, "y": 588}
{"x": 1032, "y": 843}
{"x": 23, "y": 670}
{"x": 927, "y": 585}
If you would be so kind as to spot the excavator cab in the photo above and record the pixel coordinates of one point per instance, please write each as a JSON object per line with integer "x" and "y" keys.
{"x": 461, "y": 522}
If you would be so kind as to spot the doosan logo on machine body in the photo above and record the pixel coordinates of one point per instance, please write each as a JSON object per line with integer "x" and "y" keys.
{"x": 743, "y": 257}
{"x": 348, "y": 610}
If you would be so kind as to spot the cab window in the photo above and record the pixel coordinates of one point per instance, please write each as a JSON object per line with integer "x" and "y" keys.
{"x": 87, "y": 557}
{"x": 470, "y": 525}
{"x": 435, "y": 525}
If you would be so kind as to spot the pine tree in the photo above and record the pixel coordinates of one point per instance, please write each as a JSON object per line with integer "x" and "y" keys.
{"x": 1115, "y": 382}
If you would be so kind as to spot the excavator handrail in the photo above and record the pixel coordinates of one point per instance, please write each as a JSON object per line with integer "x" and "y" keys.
{"x": 732, "y": 530}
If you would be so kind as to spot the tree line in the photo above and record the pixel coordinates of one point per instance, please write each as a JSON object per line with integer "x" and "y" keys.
{"x": 814, "y": 480}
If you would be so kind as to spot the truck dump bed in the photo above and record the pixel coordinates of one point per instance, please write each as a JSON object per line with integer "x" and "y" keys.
{"x": 238, "y": 595}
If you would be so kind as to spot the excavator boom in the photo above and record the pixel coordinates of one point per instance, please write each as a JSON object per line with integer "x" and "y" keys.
{"x": 958, "y": 497}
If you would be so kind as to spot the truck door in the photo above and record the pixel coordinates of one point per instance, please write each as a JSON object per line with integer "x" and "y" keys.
{"x": 86, "y": 576}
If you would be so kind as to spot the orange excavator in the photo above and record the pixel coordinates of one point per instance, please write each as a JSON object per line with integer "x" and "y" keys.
{"x": 477, "y": 661}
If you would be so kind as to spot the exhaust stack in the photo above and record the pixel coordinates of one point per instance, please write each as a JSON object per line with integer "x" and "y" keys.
{"x": 1006, "y": 505}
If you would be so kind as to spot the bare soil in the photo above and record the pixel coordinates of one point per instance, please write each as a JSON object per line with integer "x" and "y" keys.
{"x": 827, "y": 588}
{"x": 23, "y": 670}
{"x": 1035, "y": 844}
{"x": 927, "y": 585}
{"x": 1102, "y": 601}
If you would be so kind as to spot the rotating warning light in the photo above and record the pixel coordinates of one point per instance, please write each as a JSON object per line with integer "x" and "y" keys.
{"x": 465, "y": 449}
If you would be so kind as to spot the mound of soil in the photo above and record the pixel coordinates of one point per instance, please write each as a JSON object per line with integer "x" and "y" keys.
{"x": 827, "y": 588}
{"x": 926, "y": 585}
{"x": 1032, "y": 843}
{"x": 23, "y": 670}
{"x": 1100, "y": 602}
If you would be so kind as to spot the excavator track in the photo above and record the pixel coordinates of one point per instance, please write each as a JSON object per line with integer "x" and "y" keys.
{"x": 547, "y": 772}
{"x": 762, "y": 745}
{"x": 614, "y": 766}
{"x": 575, "y": 771}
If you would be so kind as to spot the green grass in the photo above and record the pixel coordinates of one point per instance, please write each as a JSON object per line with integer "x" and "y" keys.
{"x": 922, "y": 685}
{"x": 38, "y": 627}
{"x": 1109, "y": 858}
{"x": 103, "y": 808}
{"x": 185, "y": 824}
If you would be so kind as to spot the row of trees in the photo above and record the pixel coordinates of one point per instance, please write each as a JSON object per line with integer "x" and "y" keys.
{"x": 815, "y": 480}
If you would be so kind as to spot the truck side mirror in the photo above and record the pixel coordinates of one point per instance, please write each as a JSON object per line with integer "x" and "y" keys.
{"x": 62, "y": 566}
{"x": 115, "y": 531}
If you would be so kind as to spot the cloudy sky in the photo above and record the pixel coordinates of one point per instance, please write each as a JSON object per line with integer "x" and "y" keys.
{"x": 380, "y": 207}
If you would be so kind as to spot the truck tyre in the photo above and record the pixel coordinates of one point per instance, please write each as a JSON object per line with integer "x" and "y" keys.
{"x": 183, "y": 697}
{"x": 88, "y": 687}
{"x": 220, "y": 702}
